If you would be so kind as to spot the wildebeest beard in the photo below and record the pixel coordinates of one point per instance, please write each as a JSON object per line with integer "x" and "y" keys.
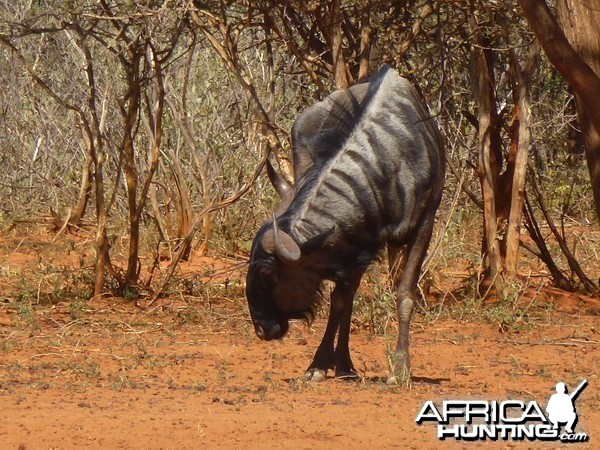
{"x": 298, "y": 295}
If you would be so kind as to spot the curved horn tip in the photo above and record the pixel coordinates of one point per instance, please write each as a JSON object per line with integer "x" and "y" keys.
{"x": 285, "y": 191}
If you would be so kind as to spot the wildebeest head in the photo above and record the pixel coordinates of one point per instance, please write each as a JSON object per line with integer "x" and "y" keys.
{"x": 278, "y": 287}
{"x": 282, "y": 283}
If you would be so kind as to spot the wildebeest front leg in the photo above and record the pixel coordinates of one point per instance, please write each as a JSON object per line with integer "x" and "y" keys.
{"x": 327, "y": 357}
{"x": 406, "y": 295}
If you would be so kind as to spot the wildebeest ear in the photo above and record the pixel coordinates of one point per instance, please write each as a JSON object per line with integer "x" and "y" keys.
{"x": 280, "y": 244}
{"x": 316, "y": 242}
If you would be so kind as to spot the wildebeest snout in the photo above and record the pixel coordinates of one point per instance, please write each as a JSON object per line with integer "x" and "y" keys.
{"x": 270, "y": 330}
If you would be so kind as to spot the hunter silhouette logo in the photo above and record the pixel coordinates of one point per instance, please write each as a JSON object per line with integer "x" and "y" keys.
{"x": 472, "y": 420}
{"x": 561, "y": 408}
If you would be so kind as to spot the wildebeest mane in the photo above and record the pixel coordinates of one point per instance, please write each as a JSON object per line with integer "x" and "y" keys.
{"x": 333, "y": 130}
{"x": 321, "y": 131}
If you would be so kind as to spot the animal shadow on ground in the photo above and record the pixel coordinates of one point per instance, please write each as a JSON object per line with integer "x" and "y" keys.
{"x": 374, "y": 380}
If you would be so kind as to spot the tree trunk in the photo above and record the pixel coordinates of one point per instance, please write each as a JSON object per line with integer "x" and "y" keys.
{"x": 339, "y": 63}
{"x": 580, "y": 20}
{"x": 102, "y": 244}
{"x": 85, "y": 192}
{"x": 365, "y": 43}
{"x": 523, "y": 106}
{"x": 131, "y": 178}
{"x": 488, "y": 173}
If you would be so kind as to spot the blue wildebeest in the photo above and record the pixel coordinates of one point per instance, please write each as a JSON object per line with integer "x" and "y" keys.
{"x": 369, "y": 168}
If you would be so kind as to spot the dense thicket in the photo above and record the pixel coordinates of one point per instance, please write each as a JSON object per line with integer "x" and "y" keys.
{"x": 148, "y": 123}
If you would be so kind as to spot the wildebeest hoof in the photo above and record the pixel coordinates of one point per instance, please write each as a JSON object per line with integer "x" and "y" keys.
{"x": 347, "y": 375}
{"x": 315, "y": 375}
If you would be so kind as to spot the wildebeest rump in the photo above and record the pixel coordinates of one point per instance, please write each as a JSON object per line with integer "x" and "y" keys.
{"x": 369, "y": 168}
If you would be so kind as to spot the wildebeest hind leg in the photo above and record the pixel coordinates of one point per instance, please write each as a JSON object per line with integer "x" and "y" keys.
{"x": 406, "y": 295}
{"x": 339, "y": 320}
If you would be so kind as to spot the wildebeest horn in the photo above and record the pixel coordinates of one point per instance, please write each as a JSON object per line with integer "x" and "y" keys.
{"x": 281, "y": 244}
{"x": 283, "y": 188}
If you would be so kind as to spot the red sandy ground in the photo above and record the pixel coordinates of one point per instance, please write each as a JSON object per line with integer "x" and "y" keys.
{"x": 190, "y": 374}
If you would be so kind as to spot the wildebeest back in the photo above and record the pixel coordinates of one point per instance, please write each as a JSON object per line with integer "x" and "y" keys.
{"x": 375, "y": 181}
